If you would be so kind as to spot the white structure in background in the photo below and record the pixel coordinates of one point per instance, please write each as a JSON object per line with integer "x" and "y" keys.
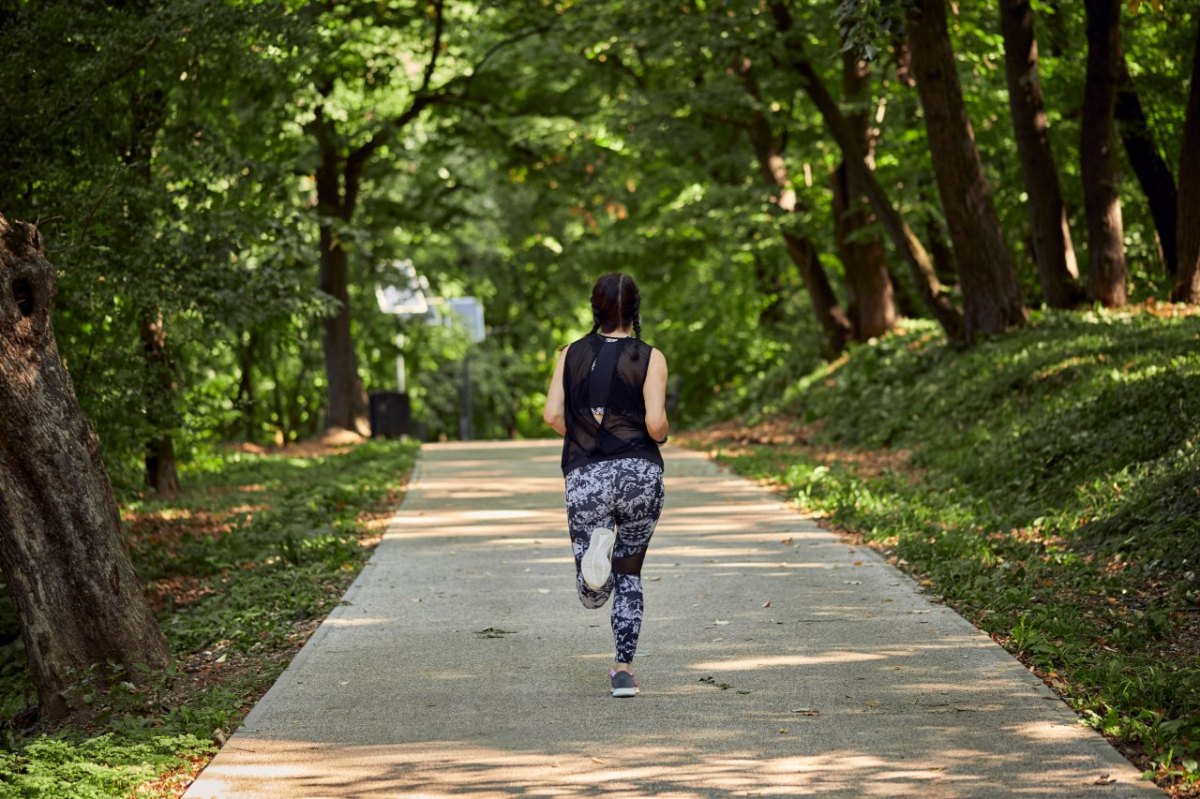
{"x": 408, "y": 297}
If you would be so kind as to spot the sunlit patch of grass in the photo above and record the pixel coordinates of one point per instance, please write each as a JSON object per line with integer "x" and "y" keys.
{"x": 241, "y": 568}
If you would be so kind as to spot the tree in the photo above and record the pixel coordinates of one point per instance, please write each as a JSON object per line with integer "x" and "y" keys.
{"x": 905, "y": 241}
{"x": 1107, "y": 270}
{"x": 1187, "y": 283}
{"x": 768, "y": 151}
{"x": 1052, "y": 248}
{"x": 992, "y": 299}
{"x": 1153, "y": 174}
{"x": 339, "y": 178}
{"x": 872, "y": 303}
{"x": 63, "y": 557}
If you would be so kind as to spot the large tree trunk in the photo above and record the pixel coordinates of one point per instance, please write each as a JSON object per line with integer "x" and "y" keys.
{"x": 1187, "y": 281}
{"x": 1106, "y": 249}
{"x": 63, "y": 557}
{"x": 871, "y": 303}
{"x": 905, "y": 241}
{"x": 347, "y": 399}
{"x": 1153, "y": 174}
{"x": 773, "y": 167}
{"x": 1052, "y": 248}
{"x": 992, "y": 299}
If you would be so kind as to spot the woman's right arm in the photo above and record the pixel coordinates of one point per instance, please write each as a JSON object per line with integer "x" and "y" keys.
{"x": 556, "y": 399}
{"x": 654, "y": 392}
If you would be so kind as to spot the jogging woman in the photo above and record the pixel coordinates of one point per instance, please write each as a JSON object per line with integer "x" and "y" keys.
{"x": 608, "y": 399}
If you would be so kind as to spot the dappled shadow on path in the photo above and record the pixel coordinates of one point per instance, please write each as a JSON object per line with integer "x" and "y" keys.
{"x": 776, "y": 660}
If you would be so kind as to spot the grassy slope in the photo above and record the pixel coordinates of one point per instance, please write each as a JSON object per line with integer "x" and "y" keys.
{"x": 1046, "y": 483}
{"x": 242, "y": 568}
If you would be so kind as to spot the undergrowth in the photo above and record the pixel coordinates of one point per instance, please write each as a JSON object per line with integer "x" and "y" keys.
{"x": 241, "y": 567}
{"x": 1047, "y": 483}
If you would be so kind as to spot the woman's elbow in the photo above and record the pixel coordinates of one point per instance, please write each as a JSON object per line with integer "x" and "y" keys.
{"x": 657, "y": 426}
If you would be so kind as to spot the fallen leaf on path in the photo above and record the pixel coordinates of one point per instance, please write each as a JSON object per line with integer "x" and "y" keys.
{"x": 654, "y": 579}
{"x": 1104, "y": 779}
{"x": 743, "y": 692}
{"x": 767, "y": 604}
{"x": 720, "y": 622}
{"x": 787, "y": 540}
{"x": 852, "y": 582}
{"x": 543, "y": 590}
{"x": 858, "y": 563}
{"x": 806, "y": 711}
{"x": 493, "y": 632}
{"x": 784, "y": 730}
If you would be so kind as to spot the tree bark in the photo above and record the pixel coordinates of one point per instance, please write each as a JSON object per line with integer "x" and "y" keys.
{"x": 161, "y": 474}
{"x": 1187, "y": 281}
{"x": 63, "y": 557}
{"x": 1153, "y": 174}
{"x": 992, "y": 299}
{"x": 898, "y": 231}
{"x": 768, "y": 152}
{"x": 347, "y": 398}
{"x": 871, "y": 304}
{"x": 824, "y": 301}
{"x": 1053, "y": 252}
{"x": 1106, "y": 250}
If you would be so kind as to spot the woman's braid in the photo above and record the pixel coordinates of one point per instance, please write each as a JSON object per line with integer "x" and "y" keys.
{"x": 637, "y": 325}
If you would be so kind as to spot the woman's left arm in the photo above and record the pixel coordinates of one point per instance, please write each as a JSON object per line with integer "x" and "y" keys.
{"x": 556, "y": 398}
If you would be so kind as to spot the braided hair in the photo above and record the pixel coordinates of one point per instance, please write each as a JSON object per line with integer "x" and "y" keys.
{"x": 616, "y": 302}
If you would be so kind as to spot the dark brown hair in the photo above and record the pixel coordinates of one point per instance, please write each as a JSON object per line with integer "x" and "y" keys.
{"x": 616, "y": 302}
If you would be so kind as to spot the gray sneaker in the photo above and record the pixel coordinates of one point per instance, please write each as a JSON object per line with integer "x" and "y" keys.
{"x": 623, "y": 684}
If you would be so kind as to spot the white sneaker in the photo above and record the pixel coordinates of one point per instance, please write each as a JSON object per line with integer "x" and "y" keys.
{"x": 597, "y": 560}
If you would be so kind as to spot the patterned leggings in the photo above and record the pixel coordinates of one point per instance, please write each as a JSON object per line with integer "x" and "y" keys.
{"x": 625, "y": 495}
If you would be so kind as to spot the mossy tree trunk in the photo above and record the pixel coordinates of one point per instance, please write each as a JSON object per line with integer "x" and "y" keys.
{"x": 63, "y": 557}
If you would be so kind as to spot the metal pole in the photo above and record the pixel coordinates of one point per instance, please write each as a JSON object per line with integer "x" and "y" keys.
{"x": 465, "y": 432}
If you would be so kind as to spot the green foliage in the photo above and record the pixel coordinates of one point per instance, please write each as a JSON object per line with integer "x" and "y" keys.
{"x": 1046, "y": 483}
{"x": 283, "y": 545}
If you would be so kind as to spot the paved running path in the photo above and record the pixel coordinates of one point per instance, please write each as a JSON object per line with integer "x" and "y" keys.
{"x": 400, "y": 693}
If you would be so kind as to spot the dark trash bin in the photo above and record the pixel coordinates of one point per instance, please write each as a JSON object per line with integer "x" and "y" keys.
{"x": 391, "y": 414}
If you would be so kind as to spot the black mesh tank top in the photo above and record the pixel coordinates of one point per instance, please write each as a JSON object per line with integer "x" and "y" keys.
{"x": 600, "y": 372}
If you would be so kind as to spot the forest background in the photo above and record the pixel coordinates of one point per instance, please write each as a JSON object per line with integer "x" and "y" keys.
{"x": 208, "y": 175}
{"x": 221, "y": 185}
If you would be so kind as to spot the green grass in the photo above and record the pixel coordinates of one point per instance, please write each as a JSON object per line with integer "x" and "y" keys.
{"x": 256, "y": 551}
{"x": 1047, "y": 483}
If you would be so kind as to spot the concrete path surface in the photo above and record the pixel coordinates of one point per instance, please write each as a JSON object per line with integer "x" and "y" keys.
{"x": 776, "y": 660}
